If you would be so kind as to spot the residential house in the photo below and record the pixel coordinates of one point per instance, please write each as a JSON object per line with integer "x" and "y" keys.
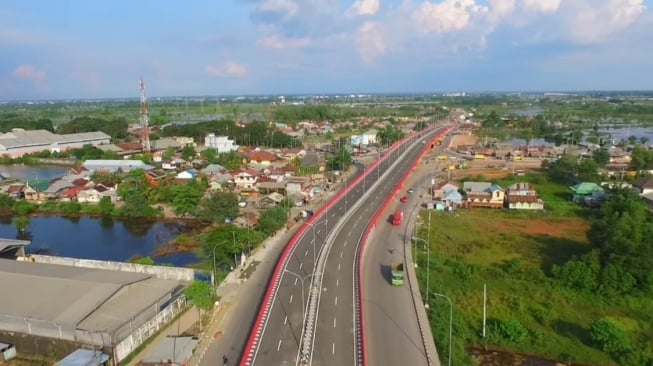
{"x": 16, "y": 191}
{"x": 644, "y": 185}
{"x": 172, "y": 164}
{"x": 296, "y": 185}
{"x": 587, "y": 192}
{"x": 89, "y": 195}
{"x": 483, "y": 194}
{"x": 187, "y": 175}
{"x": 245, "y": 179}
{"x": 369, "y": 136}
{"x": 270, "y": 200}
{"x": 441, "y": 189}
{"x": 55, "y": 190}
{"x": 164, "y": 144}
{"x": 155, "y": 177}
{"x": 452, "y": 198}
{"x": 290, "y": 154}
{"x": 522, "y": 196}
{"x": 311, "y": 161}
{"x": 261, "y": 158}
{"x": 30, "y": 193}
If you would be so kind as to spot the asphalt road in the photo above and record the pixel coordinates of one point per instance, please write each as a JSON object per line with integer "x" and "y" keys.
{"x": 334, "y": 342}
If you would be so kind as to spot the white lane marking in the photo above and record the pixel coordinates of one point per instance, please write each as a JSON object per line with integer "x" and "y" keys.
{"x": 334, "y": 321}
{"x": 338, "y": 266}
{"x": 336, "y": 302}
{"x": 337, "y": 282}
{"x": 333, "y": 348}
{"x": 306, "y": 253}
{"x": 318, "y": 231}
{"x": 285, "y": 320}
{"x": 341, "y": 254}
{"x": 295, "y": 281}
{"x": 345, "y": 243}
{"x": 291, "y": 295}
{"x": 301, "y": 265}
{"x": 349, "y": 234}
{"x": 279, "y": 345}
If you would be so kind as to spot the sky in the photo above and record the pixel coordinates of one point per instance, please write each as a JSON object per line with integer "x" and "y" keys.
{"x": 100, "y": 49}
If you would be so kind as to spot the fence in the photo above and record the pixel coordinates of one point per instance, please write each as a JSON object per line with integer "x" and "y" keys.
{"x": 145, "y": 331}
{"x": 165, "y": 273}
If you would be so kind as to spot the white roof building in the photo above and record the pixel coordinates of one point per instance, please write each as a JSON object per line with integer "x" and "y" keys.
{"x": 115, "y": 165}
{"x": 221, "y": 144}
{"x": 19, "y": 142}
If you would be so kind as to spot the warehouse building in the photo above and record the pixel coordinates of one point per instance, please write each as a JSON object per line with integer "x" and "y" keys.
{"x": 19, "y": 142}
{"x": 55, "y": 309}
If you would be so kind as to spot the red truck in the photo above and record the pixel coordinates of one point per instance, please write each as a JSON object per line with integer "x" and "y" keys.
{"x": 397, "y": 217}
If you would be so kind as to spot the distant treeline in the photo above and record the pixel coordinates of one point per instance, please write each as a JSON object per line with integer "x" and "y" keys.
{"x": 8, "y": 121}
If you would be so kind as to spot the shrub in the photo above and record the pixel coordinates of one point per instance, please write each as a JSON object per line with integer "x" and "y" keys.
{"x": 608, "y": 336}
{"x": 511, "y": 329}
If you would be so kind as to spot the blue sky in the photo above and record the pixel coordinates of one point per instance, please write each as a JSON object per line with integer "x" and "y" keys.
{"x": 92, "y": 49}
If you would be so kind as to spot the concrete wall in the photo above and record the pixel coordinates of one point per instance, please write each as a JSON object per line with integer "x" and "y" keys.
{"x": 166, "y": 273}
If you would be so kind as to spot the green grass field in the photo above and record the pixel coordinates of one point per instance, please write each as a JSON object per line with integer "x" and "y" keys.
{"x": 513, "y": 252}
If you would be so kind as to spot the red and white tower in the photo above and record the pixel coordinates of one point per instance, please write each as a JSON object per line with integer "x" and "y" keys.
{"x": 145, "y": 120}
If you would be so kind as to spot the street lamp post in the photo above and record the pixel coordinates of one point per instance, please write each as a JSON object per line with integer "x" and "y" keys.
{"x": 301, "y": 279}
{"x": 215, "y": 270}
{"x": 428, "y": 268}
{"x": 450, "y": 322}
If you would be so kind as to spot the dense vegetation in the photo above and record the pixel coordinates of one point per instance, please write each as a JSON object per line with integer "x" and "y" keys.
{"x": 560, "y": 286}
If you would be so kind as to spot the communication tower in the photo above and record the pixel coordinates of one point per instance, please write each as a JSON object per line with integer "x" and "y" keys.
{"x": 145, "y": 119}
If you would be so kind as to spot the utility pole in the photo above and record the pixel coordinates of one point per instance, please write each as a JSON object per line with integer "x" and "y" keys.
{"x": 484, "y": 307}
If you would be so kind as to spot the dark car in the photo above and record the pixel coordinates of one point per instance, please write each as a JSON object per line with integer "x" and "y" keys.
{"x": 404, "y": 199}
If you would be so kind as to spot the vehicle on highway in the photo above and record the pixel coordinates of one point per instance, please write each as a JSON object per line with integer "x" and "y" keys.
{"x": 403, "y": 199}
{"x": 397, "y": 218}
{"x": 397, "y": 271}
{"x": 410, "y": 191}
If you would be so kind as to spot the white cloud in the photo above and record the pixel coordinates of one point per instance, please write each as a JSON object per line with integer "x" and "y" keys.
{"x": 365, "y": 7}
{"x": 370, "y": 42}
{"x": 229, "y": 68}
{"x": 542, "y": 6}
{"x": 28, "y": 72}
{"x": 500, "y": 10}
{"x": 278, "y": 42}
{"x": 446, "y": 16}
{"x": 589, "y": 22}
{"x": 284, "y": 8}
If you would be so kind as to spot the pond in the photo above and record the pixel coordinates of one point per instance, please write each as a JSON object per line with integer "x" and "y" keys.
{"x": 27, "y": 172}
{"x": 99, "y": 238}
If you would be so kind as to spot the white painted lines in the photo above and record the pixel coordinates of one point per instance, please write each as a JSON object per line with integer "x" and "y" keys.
{"x": 348, "y": 235}
{"x": 337, "y": 282}
{"x": 338, "y": 266}
{"x": 285, "y": 320}
{"x": 291, "y": 297}
{"x": 306, "y": 253}
{"x": 279, "y": 345}
{"x": 296, "y": 281}
{"x": 318, "y": 231}
{"x": 341, "y": 254}
{"x": 334, "y": 321}
{"x": 301, "y": 265}
{"x": 335, "y": 302}
{"x": 333, "y": 348}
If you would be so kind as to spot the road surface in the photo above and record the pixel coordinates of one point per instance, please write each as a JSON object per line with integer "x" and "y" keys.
{"x": 334, "y": 342}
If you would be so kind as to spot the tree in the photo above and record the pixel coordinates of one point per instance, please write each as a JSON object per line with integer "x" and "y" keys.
{"x": 218, "y": 206}
{"x": 608, "y": 336}
{"x": 186, "y": 197}
{"x": 105, "y": 206}
{"x": 201, "y": 295}
{"x": 21, "y": 223}
{"x": 188, "y": 153}
{"x": 271, "y": 220}
{"x": 601, "y": 157}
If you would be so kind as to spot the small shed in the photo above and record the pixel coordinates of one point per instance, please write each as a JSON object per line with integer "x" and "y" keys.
{"x": 84, "y": 357}
{"x": 172, "y": 350}
{"x": 7, "y": 352}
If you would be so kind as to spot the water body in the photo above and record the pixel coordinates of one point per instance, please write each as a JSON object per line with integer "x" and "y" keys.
{"x": 529, "y": 112}
{"x": 623, "y": 133}
{"x": 99, "y": 238}
{"x": 28, "y": 172}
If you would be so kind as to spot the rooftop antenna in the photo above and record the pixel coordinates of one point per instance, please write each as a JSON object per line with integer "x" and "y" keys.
{"x": 145, "y": 119}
